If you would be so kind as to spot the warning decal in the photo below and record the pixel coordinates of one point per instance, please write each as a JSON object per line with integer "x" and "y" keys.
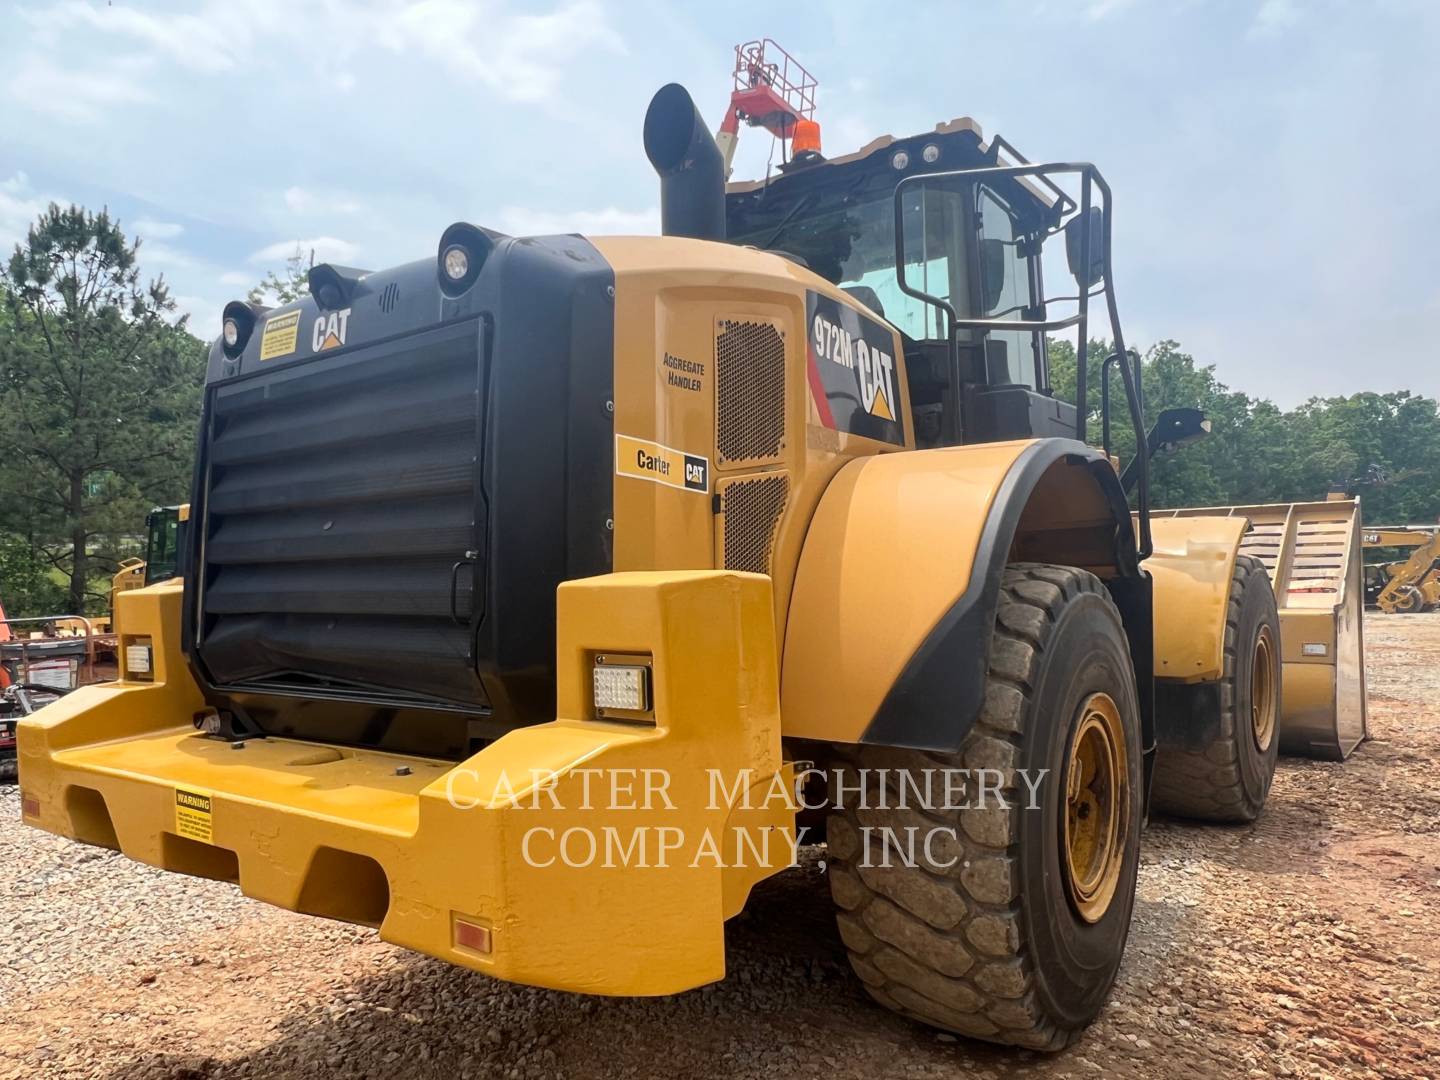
{"x": 643, "y": 460}
{"x": 281, "y": 333}
{"x": 193, "y": 814}
{"x": 852, "y": 372}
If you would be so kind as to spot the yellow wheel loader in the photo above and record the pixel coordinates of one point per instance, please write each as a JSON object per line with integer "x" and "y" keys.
{"x": 1406, "y": 585}
{"x": 165, "y": 536}
{"x": 536, "y": 587}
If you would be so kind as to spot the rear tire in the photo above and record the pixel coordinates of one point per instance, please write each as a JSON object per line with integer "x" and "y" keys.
{"x": 990, "y": 932}
{"x": 1229, "y": 780}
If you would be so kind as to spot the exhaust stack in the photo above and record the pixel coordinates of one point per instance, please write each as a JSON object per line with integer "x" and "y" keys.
{"x": 689, "y": 164}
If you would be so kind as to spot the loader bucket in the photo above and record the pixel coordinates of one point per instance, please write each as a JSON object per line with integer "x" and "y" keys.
{"x": 1313, "y": 554}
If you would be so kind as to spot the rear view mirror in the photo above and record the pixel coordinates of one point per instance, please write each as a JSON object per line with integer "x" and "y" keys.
{"x": 1173, "y": 429}
{"x": 1075, "y": 230}
{"x": 992, "y": 273}
{"x": 1178, "y": 427}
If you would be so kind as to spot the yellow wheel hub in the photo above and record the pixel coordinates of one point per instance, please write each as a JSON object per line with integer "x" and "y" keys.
{"x": 1262, "y": 690}
{"x": 1097, "y": 802}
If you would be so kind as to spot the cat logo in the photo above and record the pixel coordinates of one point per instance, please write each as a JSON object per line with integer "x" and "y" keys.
{"x": 852, "y": 371}
{"x": 330, "y": 330}
{"x": 643, "y": 460}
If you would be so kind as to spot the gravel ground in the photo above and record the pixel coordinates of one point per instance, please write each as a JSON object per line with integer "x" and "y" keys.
{"x": 1306, "y": 945}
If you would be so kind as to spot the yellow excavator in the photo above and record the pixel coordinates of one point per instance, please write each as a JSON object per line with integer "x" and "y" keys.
{"x": 535, "y": 587}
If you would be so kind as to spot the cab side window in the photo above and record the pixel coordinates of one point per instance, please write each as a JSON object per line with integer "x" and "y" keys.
{"x": 1005, "y": 294}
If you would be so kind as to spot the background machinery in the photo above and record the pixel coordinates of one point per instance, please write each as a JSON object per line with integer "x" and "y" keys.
{"x": 1403, "y": 585}
{"x": 164, "y": 540}
{"x": 785, "y": 485}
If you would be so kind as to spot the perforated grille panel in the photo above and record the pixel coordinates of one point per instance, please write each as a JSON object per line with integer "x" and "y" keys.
{"x": 749, "y": 390}
{"x": 749, "y": 517}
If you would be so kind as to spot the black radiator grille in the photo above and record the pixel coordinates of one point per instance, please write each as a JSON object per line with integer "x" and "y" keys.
{"x": 341, "y": 492}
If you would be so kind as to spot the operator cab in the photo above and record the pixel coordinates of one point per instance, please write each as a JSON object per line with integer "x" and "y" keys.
{"x": 971, "y": 243}
{"x": 165, "y": 535}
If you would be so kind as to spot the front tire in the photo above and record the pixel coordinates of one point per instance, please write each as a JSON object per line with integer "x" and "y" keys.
{"x": 1229, "y": 780}
{"x": 1010, "y": 924}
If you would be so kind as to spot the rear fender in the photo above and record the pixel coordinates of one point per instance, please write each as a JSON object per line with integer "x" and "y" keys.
{"x": 888, "y": 638}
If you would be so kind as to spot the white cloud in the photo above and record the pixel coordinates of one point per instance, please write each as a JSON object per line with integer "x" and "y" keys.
{"x": 237, "y": 277}
{"x": 67, "y": 93}
{"x": 323, "y": 248}
{"x": 1103, "y": 9}
{"x": 610, "y": 221}
{"x": 157, "y": 230}
{"x": 520, "y": 57}
{"x": 19, "y": 207}
{"x": 204, "y": 41}
{"x": 164, "y": 255}
{"x": 204, "y": 314}
{"x": 302, "y": 201}
{"x": 1274, "y": 17}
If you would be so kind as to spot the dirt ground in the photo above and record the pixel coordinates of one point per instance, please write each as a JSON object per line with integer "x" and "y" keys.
{"x": 1306, "y": 945}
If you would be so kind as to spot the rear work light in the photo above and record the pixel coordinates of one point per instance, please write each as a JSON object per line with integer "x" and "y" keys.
{"x": 457, "y": 262}
{"x": 622, "y": 685}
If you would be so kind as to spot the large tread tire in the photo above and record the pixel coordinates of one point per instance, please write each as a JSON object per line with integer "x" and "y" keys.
{"x": 1229, "y": 780}
{"x": 990, "y": 946}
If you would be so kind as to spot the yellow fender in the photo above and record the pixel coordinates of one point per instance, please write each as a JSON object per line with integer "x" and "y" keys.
{"x": 1192, "y": 565}
{"x": 888, "y": 634}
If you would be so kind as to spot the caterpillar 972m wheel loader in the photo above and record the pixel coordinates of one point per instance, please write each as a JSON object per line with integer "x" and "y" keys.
{"x": 474, "y": 537}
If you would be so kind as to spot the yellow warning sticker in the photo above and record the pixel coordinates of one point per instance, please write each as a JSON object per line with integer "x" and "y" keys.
{"x": 643, "y": 460}
{"x": 193, "y": 819}
{"x": 281, "y": 333}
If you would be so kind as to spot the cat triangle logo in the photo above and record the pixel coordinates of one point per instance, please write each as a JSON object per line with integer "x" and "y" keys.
{"x": 330, "y": 330}
{"x": 880, "y": 406}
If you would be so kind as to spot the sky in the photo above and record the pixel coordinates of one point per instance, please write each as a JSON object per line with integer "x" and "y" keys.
{"x": 1274, "y": 162}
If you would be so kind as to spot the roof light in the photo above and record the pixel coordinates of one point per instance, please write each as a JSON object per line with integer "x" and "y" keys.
{"x": 931, "y": 153}
{"x": 237, "y": 322}
{"x": 900, "y": 160}
{"x": 457, "y": 262}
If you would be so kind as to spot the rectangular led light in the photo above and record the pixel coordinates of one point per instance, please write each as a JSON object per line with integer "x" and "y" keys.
{"x": 137, "y": 659}
{"x": 622, "y": 686}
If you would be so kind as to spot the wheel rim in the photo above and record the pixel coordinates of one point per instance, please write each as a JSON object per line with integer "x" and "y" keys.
{"x": 1097, "y": 799}
{"x": 1262, "y": 690}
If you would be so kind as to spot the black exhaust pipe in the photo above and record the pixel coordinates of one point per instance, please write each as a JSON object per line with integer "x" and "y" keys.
{"x": 690, "y": 166}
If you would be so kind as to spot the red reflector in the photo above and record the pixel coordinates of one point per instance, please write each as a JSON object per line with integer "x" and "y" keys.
{"x": 29, "y": 806}
{"x": 472, "y": 936}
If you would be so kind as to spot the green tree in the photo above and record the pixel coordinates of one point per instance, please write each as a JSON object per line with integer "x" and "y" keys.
{"x": 99, "y": 393}
{"x": 282, "y": 288}
{"x": 1258, "y": 453}
{"x": 26, "y": 587}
